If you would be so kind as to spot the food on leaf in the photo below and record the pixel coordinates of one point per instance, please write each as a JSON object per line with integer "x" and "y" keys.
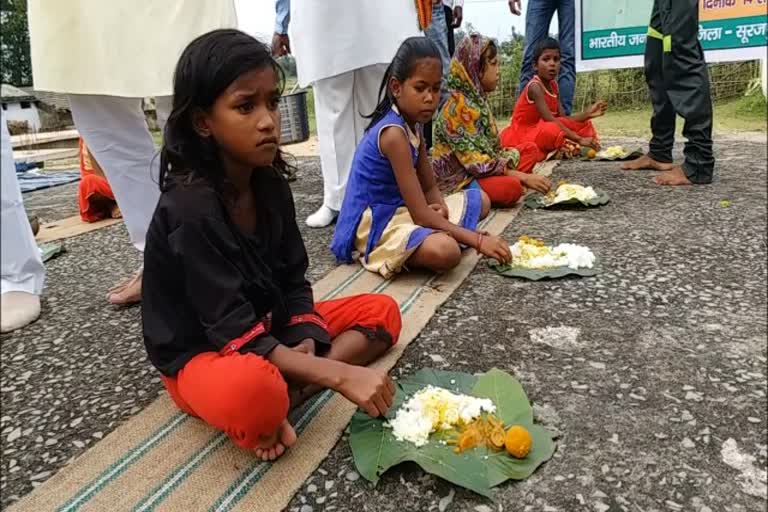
{"x": 535, "y": 254}
{"x": 432, "y": 409}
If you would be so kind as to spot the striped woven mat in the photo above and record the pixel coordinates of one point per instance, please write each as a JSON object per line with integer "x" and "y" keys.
{"x": 163, "y": 460}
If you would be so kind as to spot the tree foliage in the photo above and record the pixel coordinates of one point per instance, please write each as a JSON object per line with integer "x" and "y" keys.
{"x": 15, "y": 62}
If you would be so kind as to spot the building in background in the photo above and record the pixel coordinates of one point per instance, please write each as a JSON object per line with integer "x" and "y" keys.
{"x": 20, "y": 109}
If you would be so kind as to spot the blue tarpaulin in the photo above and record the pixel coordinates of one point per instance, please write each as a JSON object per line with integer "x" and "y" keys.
{"x": 36, "y": 180}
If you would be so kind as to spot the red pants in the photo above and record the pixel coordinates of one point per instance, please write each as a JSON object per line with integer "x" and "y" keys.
{"x": 550, "y": 136}
{"x": 244, "y": 395}
{"x": 94, "y": 194}
{"x": 505, "y": 191}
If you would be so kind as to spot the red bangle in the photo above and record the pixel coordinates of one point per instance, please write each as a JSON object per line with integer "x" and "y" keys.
{"x": 479, "y": 242}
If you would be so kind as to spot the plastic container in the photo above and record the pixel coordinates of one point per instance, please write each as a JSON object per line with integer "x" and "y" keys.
{"x": 295, "y": 118}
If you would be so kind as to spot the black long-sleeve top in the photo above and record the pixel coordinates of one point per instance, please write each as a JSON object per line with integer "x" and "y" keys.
{"x": 208, "y": 286}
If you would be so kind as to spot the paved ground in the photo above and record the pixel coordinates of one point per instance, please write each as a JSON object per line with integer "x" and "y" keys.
{"x": 652, "y": 373}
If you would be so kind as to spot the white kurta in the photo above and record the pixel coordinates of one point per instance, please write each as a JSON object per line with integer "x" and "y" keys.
{"x": 117, "y": 47}
{"x": 331, "y": 37}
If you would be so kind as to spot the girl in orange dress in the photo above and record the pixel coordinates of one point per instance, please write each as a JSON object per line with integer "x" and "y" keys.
{"x": 95, "y": 196}
{"x": 538, "y": 116}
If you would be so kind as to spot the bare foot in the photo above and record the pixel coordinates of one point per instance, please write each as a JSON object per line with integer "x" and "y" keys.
{"x": 645, "y": 162}
{"x": 127, "y": 292}
{"x": 272, "y": 446}
{"x": 674, "y": 177}
{"x": 115, "y": 212}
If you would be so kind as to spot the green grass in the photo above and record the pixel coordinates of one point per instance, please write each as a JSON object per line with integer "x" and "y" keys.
{"x": 743, "y": 114}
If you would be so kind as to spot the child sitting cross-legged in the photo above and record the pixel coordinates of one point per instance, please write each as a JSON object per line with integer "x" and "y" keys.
{"x": 228, "y": 314}
{"x": 393, "y": 214}
{"x": 467, "y": 151}
{"x": 538, "y": 116}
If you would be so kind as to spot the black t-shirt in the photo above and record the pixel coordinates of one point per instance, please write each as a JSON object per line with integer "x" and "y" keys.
{"x": 207, "y": 284}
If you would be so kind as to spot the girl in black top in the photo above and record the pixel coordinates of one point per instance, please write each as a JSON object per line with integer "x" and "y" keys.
{"x": 228, "y": 312}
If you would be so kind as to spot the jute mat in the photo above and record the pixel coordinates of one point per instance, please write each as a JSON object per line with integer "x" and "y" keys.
{"x": 163, "y": 460}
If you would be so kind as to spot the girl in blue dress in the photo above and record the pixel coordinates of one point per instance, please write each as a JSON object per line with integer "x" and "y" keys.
{"x": 393, "y": 214}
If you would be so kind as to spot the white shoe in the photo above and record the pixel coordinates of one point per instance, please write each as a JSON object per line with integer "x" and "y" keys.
{"x": 322, "y": 218}
{"x": 18, "y": 309}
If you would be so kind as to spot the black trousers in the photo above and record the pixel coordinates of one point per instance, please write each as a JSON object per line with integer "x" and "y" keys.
{"x": 678, "y": 80}
{"x": 449, "y": 22}
{"x": 451, "y": 48}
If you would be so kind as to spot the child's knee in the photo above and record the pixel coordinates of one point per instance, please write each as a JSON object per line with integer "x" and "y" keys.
{"x": 485, "y": 204}
{"x": 443, "y": 252}
{"x": 510, "y": 194}
{"x": 248, "y": 399}
{"x": 391, "y": 320}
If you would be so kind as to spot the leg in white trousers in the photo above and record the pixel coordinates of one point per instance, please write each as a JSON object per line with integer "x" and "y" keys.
{"x": 23, "y": 273}
{"x": 341, "y": 102}
{"x": 115, "y": 131}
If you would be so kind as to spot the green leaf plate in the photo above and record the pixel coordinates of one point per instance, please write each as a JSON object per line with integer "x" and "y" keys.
{"x": 634, "y": 155}
{"x": 536, "y": 200}
{"x": 536, "y": 275}
{"x": 375, "y": 449}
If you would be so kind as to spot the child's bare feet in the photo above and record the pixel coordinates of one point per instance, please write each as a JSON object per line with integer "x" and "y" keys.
{"x": 645, "y": 162}
{"x": 676, "y": 176}
{"x": 272, "y": 446}
{"x": 115, "y": 212}
{"x": 127, "y": 292}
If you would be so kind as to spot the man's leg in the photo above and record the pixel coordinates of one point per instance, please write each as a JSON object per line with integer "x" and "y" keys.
{"x": 659, "y": 155}
{"x": 366, "y": 97}
{"x": 449, "y": 25}
{"x": 566, "y": 16}
{"x": 437, "y": 32}
{"x": 23, "y": 273}
{"x": 538, "y": 16}
{"x": 335, "y": 116}
{"x": 115, "y": 131}
{"x": 688, "y": 89}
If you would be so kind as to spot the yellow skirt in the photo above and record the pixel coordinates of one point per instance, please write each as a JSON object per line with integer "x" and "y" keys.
{"x": 395, "y": 246}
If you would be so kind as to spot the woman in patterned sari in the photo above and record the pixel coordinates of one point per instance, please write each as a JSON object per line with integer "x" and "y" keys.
{"x": 467, "y": 151}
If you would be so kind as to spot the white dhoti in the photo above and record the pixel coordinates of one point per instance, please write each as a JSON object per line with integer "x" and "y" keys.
{"x": 116, "y": 133}
{"x": 340, "y": 103}
{"x": 343, "y": 48}
{"x": 22, "y": 267}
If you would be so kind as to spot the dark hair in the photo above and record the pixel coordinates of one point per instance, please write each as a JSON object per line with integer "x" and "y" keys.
{"x": 401, "y": 67}
{"x": 548, "y": 43}
{"x": 490, "y": 52}
{"x": 208, "y": 65}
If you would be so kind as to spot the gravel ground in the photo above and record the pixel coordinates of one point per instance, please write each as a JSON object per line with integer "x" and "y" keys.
{"x": 652, "y": 373}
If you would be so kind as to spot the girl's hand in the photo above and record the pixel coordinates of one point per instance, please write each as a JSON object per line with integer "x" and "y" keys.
{"x": 589, "y": 142}
{"x": 441, "y": 209}
{"x": 371, "y": 390}
{"x": 536, "y": 182}
{"x": 597, "y": 109}
{"x": 494, "y": 247}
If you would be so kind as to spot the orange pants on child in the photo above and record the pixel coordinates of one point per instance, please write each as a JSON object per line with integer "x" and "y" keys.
{"x": 550, "y": 137}
{"x": 505, "y": 191}
{"x": 244, "y": 395}
{"x": 93, "y": 194}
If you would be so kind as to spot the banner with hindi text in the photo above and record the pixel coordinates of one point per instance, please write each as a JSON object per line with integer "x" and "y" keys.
{"x": 611, "y": 33}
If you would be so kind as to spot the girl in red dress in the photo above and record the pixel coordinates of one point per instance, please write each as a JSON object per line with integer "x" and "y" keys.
{"x": 538, "y": 116}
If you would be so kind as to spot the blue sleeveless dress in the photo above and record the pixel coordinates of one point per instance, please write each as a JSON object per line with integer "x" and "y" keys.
{"x": 374, "y": 225}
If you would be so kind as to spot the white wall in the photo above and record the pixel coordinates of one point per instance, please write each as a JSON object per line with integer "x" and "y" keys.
{"x": 14, "y": 112}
